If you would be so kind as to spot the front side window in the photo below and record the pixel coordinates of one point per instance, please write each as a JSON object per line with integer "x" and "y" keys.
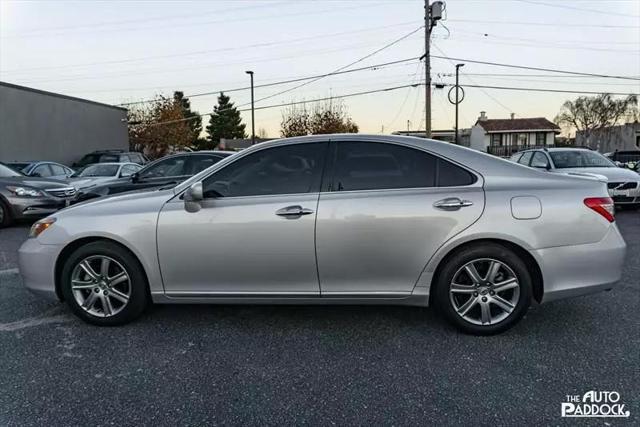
{"x": 539, "y": 160}
{"x": 526, "y": 158}
{"x": 128, "y": 170}
{"x": 42, "y": 170}
{"x": 289, "y": 169}
{"x": 373, "y": 166}
{"x": 173, "y": 166}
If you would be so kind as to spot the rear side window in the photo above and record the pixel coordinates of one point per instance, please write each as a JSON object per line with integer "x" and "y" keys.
{"x": 450, "y": 175}
{"x": 372, "y": 166}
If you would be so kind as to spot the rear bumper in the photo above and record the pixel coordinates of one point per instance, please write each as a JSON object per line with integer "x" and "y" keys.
{"x": 570, "y": 271}
{"x": 37, "y": 267}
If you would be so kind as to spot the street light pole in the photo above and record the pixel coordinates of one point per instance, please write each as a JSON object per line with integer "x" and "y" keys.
{"x": 253, "y": 111}
{"x": 457, "y": 139}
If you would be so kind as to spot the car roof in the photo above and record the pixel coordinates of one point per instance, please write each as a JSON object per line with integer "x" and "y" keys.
{"x": 112, "y": 163}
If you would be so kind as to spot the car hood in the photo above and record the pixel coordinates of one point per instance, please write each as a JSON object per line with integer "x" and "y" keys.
{"x": 611, "y": 174}
{"x": 120, "y": 203}
{"x": 29, "y": 181}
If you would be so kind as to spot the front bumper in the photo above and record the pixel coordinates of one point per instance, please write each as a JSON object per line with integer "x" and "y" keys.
{"x": 36, "y": 207}
{"x": 37, "y": 267}
{"x": 570, "y": 271}
{"x": 627, "y": 196}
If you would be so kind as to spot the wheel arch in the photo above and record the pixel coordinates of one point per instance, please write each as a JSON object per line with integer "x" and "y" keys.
{"x": 72, "y": 246}
{"x": 531, "y": 263}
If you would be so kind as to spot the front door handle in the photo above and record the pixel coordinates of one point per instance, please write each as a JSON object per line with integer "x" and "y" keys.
{"x": 452, "y": 203}
{"x": 295, "y": 210}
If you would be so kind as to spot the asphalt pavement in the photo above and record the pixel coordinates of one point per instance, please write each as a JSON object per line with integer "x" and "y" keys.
{"x": 275, "y": 365}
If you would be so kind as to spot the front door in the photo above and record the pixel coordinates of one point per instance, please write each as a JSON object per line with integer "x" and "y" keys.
{"x": 254, "y": 234}
{"x": 389, "y": 208}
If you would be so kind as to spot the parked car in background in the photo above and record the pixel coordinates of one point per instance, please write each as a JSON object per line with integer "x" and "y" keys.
{"x": 623, "y": 184}
{"x": 43, "y": 169}
{"x": 101, "y": 173}
{"x": 627, "y": 158}
{"x": 26, "y": 197}
{"x": 110, "y": 156}
{"x": 167, "y": 171}
{"x": 336, "y": 219}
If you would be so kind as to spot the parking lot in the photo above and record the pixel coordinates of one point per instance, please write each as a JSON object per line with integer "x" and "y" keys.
{"x": 312, "y": 365}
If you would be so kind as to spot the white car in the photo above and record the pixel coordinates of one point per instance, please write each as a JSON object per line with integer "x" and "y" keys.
{"x": 623, "y": 184}
{"x": 101, "y": 173}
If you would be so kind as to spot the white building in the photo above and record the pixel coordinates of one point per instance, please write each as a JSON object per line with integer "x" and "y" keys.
{"x": 503, "y": 137}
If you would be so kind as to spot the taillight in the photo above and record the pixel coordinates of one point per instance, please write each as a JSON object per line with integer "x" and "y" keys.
{"x": 603, "y": 205}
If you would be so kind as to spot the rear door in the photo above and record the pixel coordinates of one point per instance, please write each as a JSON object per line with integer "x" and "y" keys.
{"x": 384, "y": 214}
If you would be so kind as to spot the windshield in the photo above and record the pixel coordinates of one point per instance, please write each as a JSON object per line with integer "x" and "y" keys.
{"x": 100, "y": 170}
{"x": 6, "y": 172}
{"x": 580, "y": 159}
{"x": 18, "y": 166}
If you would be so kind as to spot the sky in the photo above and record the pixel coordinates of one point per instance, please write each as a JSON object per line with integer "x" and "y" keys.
{"x": 125, "y": 51}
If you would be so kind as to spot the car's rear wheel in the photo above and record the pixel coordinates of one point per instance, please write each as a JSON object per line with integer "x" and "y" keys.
{"x": 484, "y": 289}
{"x": 5, "y": 215}
{"x": 104, "y": 284}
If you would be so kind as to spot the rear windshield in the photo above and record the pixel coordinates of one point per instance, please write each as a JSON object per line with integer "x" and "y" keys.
{"x": 580, "y": 159}
{"x": 6, "y": 172}
{"x": 100, "y": 170}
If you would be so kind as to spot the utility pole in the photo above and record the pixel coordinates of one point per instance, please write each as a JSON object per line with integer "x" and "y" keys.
{"x": 457, "y": 101}
{"x": 432, "y": 14}
{"x": 253, "y": 111}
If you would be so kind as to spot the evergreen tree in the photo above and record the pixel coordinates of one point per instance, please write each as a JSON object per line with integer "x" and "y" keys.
{"x": 225, "y": 122}
{"x": 195, "y": 124}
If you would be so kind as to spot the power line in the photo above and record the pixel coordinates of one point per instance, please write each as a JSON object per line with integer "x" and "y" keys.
{"x": 542, "y": 24}
{"x": 388, "y": 45}
{"x": 533, "y": 89}
{"x": 549, "y": 70}
{"x": 582, "y": 9}
{"x": 216, "y": 92}
{"x": 201, "y": 52}
{"x": 286, "y": 104}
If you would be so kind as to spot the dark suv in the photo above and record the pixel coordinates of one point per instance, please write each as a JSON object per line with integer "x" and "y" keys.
{"x": 167, "y": 171}
{"x": 110, "y": 156}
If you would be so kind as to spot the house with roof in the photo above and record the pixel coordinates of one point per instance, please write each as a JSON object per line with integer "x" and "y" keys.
{"x": 503, "y": 137}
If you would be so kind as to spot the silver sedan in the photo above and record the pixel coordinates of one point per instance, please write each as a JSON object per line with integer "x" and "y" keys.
{"x": 336, "y": 219}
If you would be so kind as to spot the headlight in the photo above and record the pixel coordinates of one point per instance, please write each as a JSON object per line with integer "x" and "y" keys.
{"x": 24, "y": 191}
{"x": 39, "y": 226}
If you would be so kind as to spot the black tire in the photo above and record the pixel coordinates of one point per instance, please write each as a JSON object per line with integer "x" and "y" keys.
{"x": 137, "y": 284}
{"x": 5, "y": 215}
{"x": 466, "y": 255}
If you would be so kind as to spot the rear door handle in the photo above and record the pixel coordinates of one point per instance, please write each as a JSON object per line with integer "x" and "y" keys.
{"x": 452, "y": 203}
{"x": 295, "y": 210}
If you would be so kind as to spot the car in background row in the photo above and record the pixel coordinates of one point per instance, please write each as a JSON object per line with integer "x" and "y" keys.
{"x": 110, "y": 156}
{"x": 51, "y": 170}
{"x": 25, "y": 197}
{"x": 165, "y": 172}
{"x": 101, "y": 173}
{"x": 623, "y": 184}
{"x": 627, "y": 158}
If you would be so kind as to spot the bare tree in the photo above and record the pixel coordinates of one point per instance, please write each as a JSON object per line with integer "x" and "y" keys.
{"x": 328, "y": 117}
{"x": 158, "y": 127}
{"x": 591, "y": 114}
{"x": 262, "y": 133}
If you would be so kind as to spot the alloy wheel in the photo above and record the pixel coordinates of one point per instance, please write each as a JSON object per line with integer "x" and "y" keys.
{"x": 484, "y": 291}
{"x": 101, "y": 285}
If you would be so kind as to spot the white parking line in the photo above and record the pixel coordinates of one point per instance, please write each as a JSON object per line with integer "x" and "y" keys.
{"x": 49, "y": 316}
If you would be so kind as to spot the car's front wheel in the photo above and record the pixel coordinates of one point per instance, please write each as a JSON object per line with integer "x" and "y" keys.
{"x": 484, "y": 289}
{"x": 104, "y": 284}
{"x": 5, "y": 215}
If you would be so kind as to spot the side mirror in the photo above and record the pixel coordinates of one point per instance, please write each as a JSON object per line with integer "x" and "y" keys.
{"x": 192, "y": 197}
{"x": 134, "y": 177}
{"x": 36, "y": 174}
